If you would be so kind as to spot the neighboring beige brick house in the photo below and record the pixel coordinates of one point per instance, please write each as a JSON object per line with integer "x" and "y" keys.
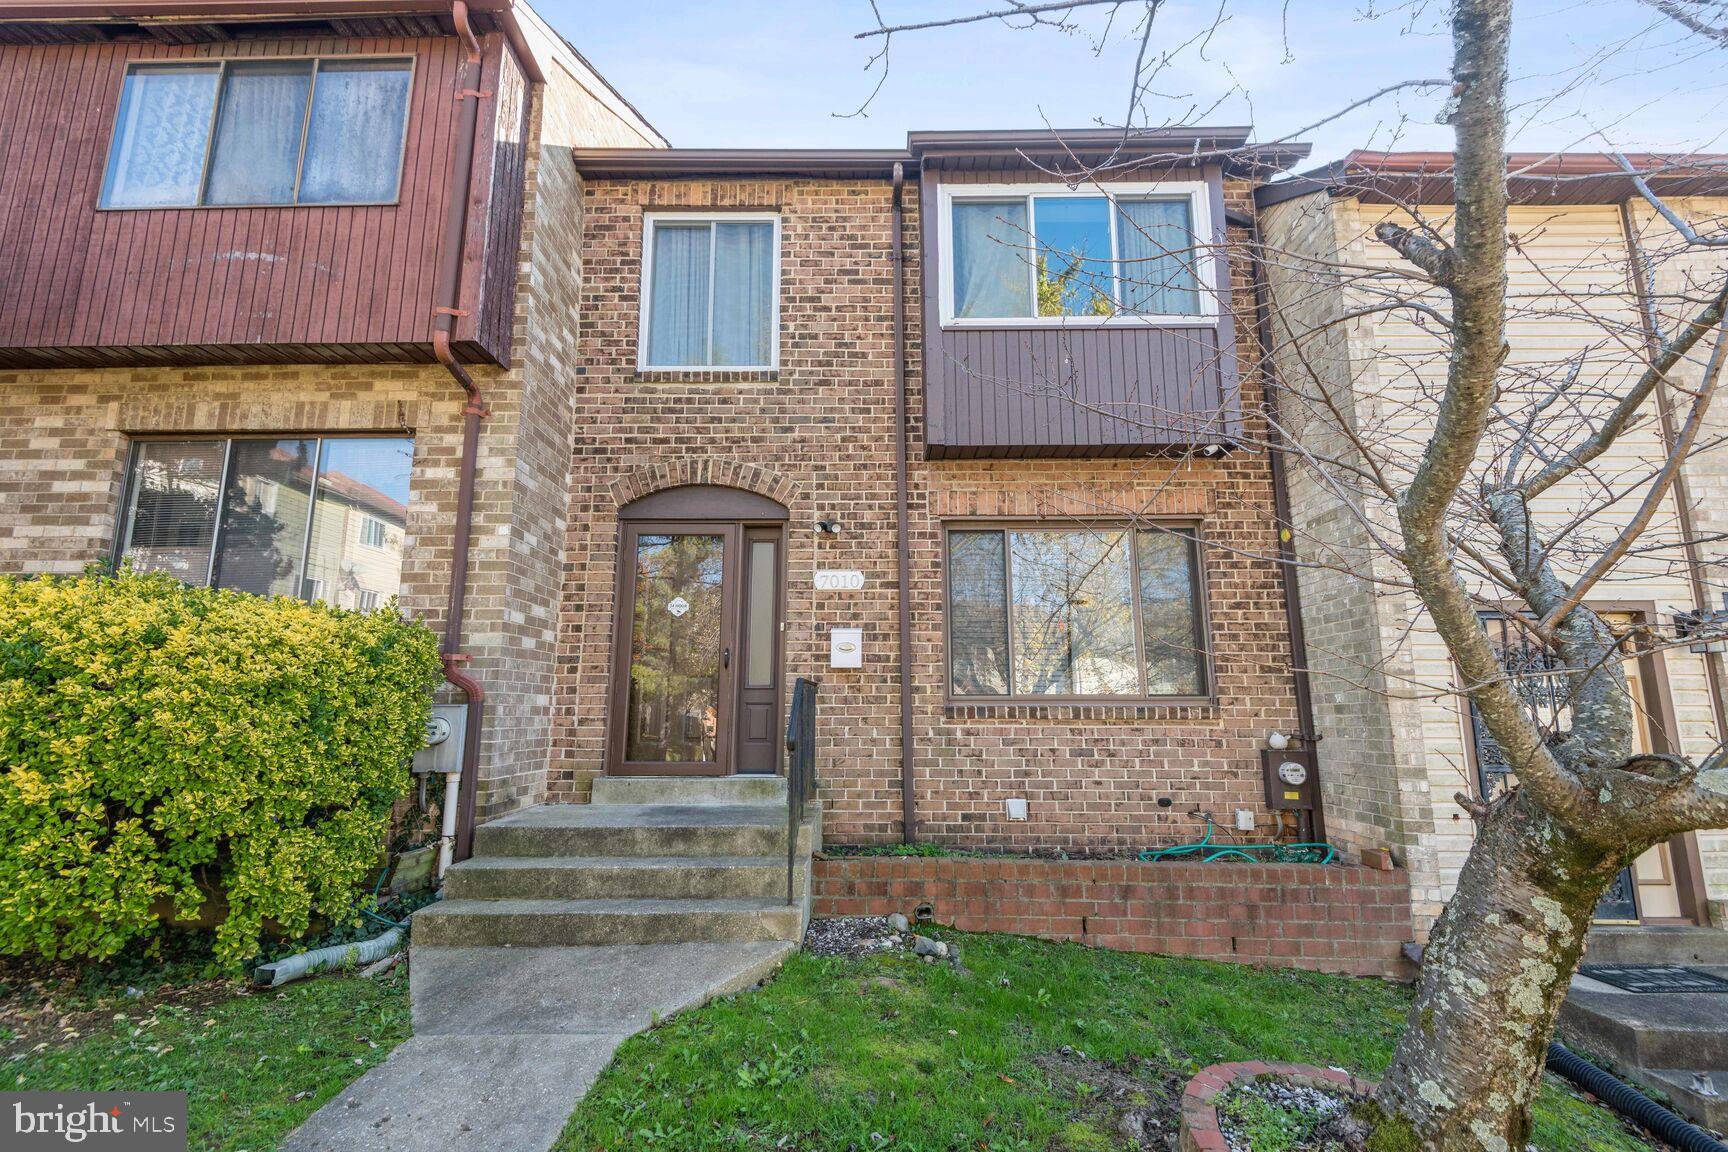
{"x": 1398, "y": 745}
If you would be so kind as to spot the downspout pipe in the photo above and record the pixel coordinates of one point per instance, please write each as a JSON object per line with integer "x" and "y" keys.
{"x": 1301, "y": 682}
{"x": 908, "y": 751}
{"x": 1641, "y": 288}
{"x": 445, "y": 313}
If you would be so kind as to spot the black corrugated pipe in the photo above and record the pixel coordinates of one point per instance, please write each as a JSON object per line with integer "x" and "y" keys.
{"x": 908, "y": 806}
{"x": 1631, "y": 1103}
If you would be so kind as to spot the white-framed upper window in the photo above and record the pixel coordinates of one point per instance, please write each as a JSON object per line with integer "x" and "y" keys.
{"x": 259, "y": 131}
{"x": 1017, "y": 255}
{"x": 710, "y": 291}
{"x": 373, "y": 533}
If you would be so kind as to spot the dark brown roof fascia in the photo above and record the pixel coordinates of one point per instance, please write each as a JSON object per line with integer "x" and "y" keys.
{"x": 1188, "y": 140}
{"x": 860, "y": 163}
{"x": 160, "y": 12}
{"x": 106, "y": 11}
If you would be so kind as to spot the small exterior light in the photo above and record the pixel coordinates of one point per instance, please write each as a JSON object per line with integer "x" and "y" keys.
{"x": 829, "y": 527}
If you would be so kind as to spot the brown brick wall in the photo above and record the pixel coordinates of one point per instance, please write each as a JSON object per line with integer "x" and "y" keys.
{"x": 820, "y": 434}
{"x": 1330, "y": 919}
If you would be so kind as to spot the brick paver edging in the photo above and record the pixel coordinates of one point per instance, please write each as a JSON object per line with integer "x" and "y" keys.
{"x": 1332, "y": 918}
{"x": 1200, "y": 1131}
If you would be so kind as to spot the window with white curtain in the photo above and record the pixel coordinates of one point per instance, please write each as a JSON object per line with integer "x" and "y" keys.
{"x": 261, "y": 131}
{"x": 710, "y": 292}
{"x": 1041, "y": 254}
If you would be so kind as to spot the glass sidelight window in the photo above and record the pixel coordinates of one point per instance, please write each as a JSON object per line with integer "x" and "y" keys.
{"x": 1037, "y": 612}
{"x": 259, "y": 132}
{"x": 710, "y": 292}
{"x": 320, "y": 518}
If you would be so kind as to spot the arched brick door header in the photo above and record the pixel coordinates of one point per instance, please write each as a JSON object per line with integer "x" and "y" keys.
{"x": 720, "y": 473}
{"x": 704, "y": 502}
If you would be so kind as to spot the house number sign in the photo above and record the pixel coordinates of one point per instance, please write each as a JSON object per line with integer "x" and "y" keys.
{"x": 838, "y": 580}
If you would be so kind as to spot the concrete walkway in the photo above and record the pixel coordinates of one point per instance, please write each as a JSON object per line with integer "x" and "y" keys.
{"x": 508, "y": 1040}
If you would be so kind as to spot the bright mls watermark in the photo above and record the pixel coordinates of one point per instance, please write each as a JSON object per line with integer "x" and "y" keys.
{"x": 99, "y": 1121}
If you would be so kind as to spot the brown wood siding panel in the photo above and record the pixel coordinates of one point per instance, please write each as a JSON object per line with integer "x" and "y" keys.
{"x": 1068, "y": 392}
{"x": 93, "y": 282}
{"x": 501, "y": 230}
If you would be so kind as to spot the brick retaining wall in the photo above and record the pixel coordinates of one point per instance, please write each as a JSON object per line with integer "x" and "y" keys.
{"x": 1335, "y": 918}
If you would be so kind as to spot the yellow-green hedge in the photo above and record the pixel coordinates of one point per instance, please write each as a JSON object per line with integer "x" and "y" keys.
{"x": 160, "y": 742}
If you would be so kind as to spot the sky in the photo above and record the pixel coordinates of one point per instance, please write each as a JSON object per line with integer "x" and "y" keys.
{"x": 1587, "y": 74}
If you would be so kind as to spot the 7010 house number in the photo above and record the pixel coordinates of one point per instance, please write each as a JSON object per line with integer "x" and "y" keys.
{"x": 838, "y": 580}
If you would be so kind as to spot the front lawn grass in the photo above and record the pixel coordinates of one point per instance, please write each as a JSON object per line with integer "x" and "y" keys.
{"x": 1041, "y": 1046}
{"x": 254, "y": 1063}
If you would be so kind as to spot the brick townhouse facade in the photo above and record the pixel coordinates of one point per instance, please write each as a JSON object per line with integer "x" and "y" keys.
{"x": 663, "y": 431}
{"x": 1098, "y": 770}
{"x": 185, "y": 344}
{"x": 265, "y": 277}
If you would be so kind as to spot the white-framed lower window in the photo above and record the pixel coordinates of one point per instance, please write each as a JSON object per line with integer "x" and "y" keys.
{"x": 1014, "y": 255}
{"x": 710, "y": 291}
{"x": 270, "y": 515}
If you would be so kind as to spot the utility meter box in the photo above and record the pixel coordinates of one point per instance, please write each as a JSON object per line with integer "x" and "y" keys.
{"x": 446, "y": 730}
{"x": 1290, "y": 781}
{"x": 845, "y": 647}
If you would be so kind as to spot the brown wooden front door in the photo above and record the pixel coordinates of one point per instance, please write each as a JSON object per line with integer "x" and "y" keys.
{"x": 696, "y": 667}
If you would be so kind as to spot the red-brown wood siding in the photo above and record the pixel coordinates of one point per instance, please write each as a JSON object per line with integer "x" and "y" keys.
{"x": 83, "y": 286}
{"x": 495, "y": 234}
{"x": 1040, "y": 391}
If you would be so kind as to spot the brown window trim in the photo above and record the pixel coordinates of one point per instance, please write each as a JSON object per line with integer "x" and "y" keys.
{"x": 1010, "y": 702}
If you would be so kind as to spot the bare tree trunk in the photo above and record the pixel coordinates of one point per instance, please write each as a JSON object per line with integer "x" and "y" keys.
{"x": 1493, "y": 978}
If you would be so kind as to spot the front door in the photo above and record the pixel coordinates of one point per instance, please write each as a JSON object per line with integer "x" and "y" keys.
{"x": 696, "y": 669}
{"x": 1651, "y": 887}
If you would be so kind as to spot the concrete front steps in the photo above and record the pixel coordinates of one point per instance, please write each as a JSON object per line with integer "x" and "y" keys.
{"x": 653, "y": 860}
{"x": 1659, "y": 1040}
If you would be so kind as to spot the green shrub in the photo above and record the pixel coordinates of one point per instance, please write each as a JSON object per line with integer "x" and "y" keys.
{"x": 162, "y": 746}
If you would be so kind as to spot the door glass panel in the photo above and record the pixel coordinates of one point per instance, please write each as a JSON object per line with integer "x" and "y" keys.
{"x": 264, "y": 515}
{"x": 759, "y": 672}
{"x": 673, "y": 711}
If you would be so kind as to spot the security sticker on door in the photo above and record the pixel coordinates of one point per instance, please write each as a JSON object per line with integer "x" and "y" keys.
{"x": 845, "y": 647}
{"x": 678, "y": 606}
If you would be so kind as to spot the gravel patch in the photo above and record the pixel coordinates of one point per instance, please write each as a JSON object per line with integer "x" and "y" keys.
{"x": 1305, "y": 1119}
{"x": 849, "y": 936}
